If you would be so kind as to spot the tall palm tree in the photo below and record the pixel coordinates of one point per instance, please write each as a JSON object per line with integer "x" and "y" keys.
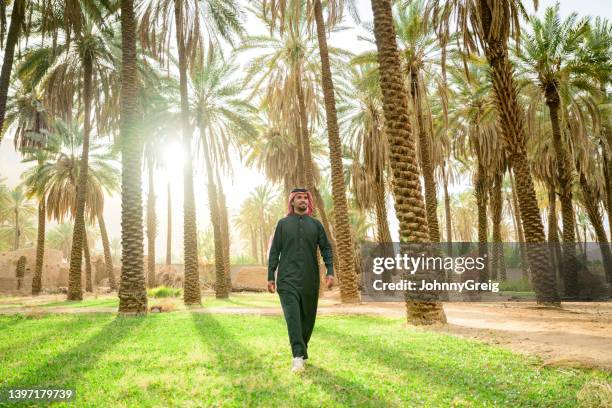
{"x": 54, "y": 179}
{"x": 419, "y": 49}
{"x": 157, "y": 99}
{"x": 409, "y": 203}
{"x": 490, "y": 25}
{"x": 548, "y": 53}
{"x": 192, "y": 21}
{"x": 65, "y": 70}
{"x": 8, "y": 45}
{"x": 132, "y": 291}
{"x": 91, "y": 49}
{"x": 472, "y": 116}
{"x": 598, "y": 48}
{"x": 25, "y": 111}
{"x": 223, "y": 119}
{"x": 363, "y": 121}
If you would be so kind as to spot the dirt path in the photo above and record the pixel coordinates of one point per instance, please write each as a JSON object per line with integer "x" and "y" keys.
{"x": 580, "y": 334}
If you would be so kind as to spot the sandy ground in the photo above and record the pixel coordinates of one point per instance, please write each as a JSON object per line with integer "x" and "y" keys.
{"x": 580, "y": 334}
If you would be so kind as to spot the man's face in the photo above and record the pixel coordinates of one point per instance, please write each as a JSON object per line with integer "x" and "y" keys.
{"x": 300, "y": 202}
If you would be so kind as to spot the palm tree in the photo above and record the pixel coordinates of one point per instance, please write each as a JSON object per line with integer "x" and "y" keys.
{"x": 90, "y": 48}
{"x": 472, "y": 116}
{"x": 363, "y": 121}
{"x": 490, "y": 25}
{"x": 18, "y": 209}
{"x": 418, "y": 47}
{"x": 409, "y": 203}
{"x": 549, "y": 56}
{"x": 598, "y": 49}
{"x": 60, "y": 238}
{"x": 169, "y": 226}
{"x": 64, "y": 70}
{"x": 222, "y": 118}
{"x": 157, "y": 99}
{"x": 17, "y": 17}
{"x": 26, "y": 114}
{"x": 55, "y": 176}
{"x": 132, "y": 291}
{"x": 192, "y": 22}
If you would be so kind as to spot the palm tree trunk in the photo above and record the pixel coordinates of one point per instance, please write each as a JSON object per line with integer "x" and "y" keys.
{"x": 447, "y": 214}
{"x": 409, "y": 203}
{"x": 225, "y": 235}
{"x": 17, "y": 237}
{"x": 191, "y": 292}
{"x": 384, "y": 235}
{"x": 518, "y": 227}
{"x": 591, "y": 206}
{"x": 511, "y": 120}
{"x": 480, "y": 191}
{"x": 132, "y": 291}
{"x": 302, "y": 177}
{"x": 497, "y": 265}
{"x": 74, "y": 277}
{"x": 87, "y": 256}
{"x": 151, "y": 227}
{"x": 264, "y": 242}
{"x": 310, "y": 182}
{"x": 40, "y": 248}
{"x": 213, "y": 204}
{"x": 553, "y": 236}
{"x": 108, "y": 258}
{"x": 169, "y": 229}
{"x": 253, "y": 244}
{"x": 349, "y": 291}
{"x": 569, "y": 272}
{"x": 431, "y": 201}
{"x": 9, "y": 52}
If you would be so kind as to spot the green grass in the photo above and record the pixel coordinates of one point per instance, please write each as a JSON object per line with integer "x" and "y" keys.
{"x": 100, "y": 302}
{"x": 191, "y": 359}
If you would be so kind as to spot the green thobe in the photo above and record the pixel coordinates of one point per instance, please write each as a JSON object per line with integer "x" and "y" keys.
{"x": 295, "y": 241}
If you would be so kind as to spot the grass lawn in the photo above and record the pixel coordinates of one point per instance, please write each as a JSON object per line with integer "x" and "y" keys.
{"x": 193, "y": 359}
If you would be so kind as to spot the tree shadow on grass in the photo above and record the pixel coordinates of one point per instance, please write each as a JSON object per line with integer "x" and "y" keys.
{"x": 345, "y": 391}
{"x": 234, "y": 360}
{"x": 67, "y": 368}
{"x": 447, "y": 373}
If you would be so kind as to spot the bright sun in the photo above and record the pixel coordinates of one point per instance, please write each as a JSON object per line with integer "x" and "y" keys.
{"x": 173, "y": 154}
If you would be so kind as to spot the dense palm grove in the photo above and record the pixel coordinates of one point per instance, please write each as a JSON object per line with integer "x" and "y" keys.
{"x": 91, "y": 91}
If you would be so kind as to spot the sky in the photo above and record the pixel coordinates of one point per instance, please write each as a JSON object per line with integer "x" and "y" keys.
{"x": 245, "y": 179}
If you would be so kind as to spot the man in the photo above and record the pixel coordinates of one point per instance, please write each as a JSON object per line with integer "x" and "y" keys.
{"x": 295, "y": 241}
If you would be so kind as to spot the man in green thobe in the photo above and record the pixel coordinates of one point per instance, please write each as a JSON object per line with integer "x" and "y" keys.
{"x": 295, "y": 241}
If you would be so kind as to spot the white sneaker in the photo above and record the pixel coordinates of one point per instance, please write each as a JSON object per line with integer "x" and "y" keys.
{"x": 298, "y": 364}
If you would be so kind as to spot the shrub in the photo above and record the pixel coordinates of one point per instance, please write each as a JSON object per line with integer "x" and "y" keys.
{"x": 164, "y": 291}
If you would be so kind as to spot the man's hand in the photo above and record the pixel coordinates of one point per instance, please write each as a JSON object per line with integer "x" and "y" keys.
{"x": 329, "y": 281}
{"x": 271, "y": 286}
